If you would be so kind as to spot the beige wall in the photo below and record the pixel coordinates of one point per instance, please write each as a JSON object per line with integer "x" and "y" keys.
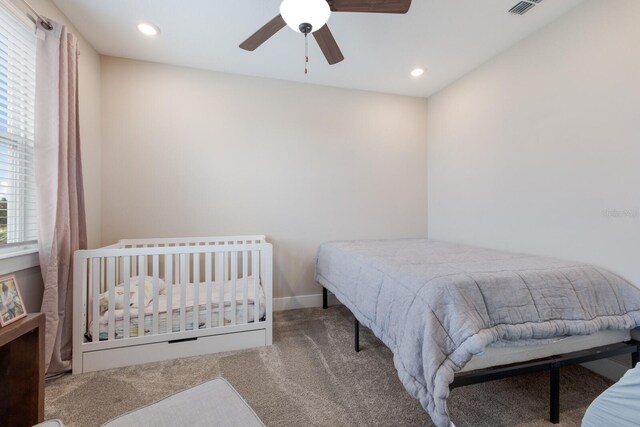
{"x": 527, "y": 152}
{"x": 31, "y": 287}
{"x": 89, "y": 93}
{"x": 189, "y": 152}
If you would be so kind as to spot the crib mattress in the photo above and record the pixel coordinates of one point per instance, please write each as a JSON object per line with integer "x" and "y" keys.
{"x": 190, "y": 302}
{"x": 508, "y": 352}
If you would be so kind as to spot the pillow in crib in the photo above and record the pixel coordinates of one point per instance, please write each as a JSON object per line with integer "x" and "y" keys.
{"x": 148, "y": 286}
{"x": 133, "y": 293}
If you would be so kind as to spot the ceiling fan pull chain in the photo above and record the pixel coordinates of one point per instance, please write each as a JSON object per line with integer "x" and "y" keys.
{"x": 306, "y": 53}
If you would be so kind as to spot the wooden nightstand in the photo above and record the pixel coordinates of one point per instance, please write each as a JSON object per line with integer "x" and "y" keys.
{"x": 22, "y": 372}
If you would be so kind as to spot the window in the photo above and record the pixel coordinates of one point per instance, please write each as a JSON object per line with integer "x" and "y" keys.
{"x": 18, "y": 220}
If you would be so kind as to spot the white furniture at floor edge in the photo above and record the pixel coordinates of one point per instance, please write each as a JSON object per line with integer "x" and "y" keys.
{"x": 110, "y": 333}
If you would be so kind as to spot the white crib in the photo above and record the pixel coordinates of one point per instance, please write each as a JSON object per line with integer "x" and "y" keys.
{"x": 149, "y": 300}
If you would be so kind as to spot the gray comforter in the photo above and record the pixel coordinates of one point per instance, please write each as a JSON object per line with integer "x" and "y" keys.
{"x": 436, "y": 304}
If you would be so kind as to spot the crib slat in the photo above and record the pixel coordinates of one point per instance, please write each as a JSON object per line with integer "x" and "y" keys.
{"x": 196, "y": 291}
{"x": 126, "y": 321}
{"x": 103, "y": 278}
{"x": 220, "y": 281}
{"x": 207, "y": 278}
{"x": 234, "y": 283}
{"x": 183, "y": 291}
{"x": 189, "y": 263}
{"x": 156, "y": 291}
{"x": 141, "y": 279}
{"x": 168, "y": 277}
{"x": 95, "y": 284}
{"x": 255, "y": 271}
{"x": 245, "y": 286}
{"x": 226, "y": 266}
{"x": 117, "y": 261}
{"x": 176, "y": 269}
{"x": 111, "y": 286}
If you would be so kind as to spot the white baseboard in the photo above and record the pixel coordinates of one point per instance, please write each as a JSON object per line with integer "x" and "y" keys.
{"x": 303, "y": 301}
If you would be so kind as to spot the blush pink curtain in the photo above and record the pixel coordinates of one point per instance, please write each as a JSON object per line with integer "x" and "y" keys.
{"x": 61, "y": 213}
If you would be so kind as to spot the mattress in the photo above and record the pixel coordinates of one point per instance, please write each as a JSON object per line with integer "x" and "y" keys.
{"x": 175, "y": 314}
{"x": 508, "y": 352}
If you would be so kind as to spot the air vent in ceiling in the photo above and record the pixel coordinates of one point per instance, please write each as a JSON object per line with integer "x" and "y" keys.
{"x": 523, "y": 7}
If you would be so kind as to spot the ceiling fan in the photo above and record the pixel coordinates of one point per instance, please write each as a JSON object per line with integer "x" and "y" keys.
{"x": 311, "y": 16}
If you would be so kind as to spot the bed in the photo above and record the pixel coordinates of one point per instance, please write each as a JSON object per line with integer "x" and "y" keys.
{"x": 455, "y": 315}
{"x": 147, "y": 300}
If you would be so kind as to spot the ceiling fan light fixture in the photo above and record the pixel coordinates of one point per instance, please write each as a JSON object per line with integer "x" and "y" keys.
{"x": 298, "y": 12}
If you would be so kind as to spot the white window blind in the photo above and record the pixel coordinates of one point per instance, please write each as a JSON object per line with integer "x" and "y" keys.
{"x": 18, "y": 220}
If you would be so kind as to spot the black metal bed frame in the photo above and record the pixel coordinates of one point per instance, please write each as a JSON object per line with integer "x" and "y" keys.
{"x": 551, "y": 364}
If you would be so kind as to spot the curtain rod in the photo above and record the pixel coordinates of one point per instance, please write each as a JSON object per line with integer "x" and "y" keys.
{"x": 43, "y": 22}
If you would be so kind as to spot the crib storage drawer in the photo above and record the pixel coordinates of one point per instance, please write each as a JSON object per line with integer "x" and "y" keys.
{"x": 166, "y": 350}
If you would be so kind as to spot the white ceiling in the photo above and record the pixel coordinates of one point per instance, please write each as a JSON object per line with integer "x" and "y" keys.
{"x": 447, "y": 37}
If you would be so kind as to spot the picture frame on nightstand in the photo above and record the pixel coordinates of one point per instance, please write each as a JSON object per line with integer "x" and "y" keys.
{"x": 11, "y": 303}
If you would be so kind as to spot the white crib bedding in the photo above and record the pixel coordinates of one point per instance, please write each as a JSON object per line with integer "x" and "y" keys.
{"x": 190, "y": 302}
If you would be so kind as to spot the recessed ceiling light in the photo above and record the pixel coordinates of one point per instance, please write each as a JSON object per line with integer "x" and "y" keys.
{"x": 417, "y": 72}
{"x": 148, "y": 29}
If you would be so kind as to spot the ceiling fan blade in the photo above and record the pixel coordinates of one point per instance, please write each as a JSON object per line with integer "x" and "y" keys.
{"x": 371, "y": 6}
{"x": 263, "y": 34}
{"x": 328, "y": 45}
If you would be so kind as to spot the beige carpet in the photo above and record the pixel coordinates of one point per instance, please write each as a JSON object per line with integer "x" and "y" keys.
{"x": 312, "y": 376}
